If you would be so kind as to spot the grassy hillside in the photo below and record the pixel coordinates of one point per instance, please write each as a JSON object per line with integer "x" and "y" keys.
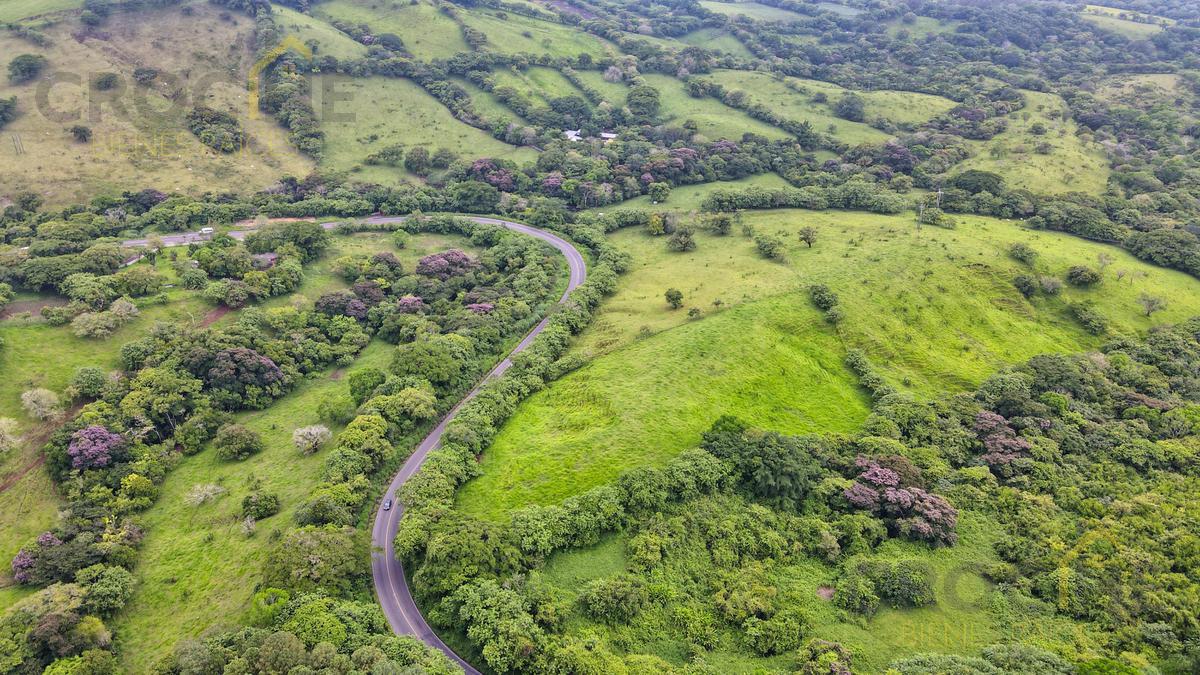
{"x": 1070, "y": 164}
{"x": 373, "y": 113}
{"x": 717, "y": 40}
{"x": 515, "y": 33}
{"x": 16, "y": 10}
{"x": 204, "y": 545}
{"x": 686, "y": 198}
{"x": 426, "y": 32}
{"x": 793, "y": 98}
{"x": 538, "y": 84}
{"x": 969, "y": 612}
{"x": 1120, "y": 21}
{"x": 140, "y": 138}
{"x": 330, "y": 41}
{"x": 935, "y": 310}
{"x": 713, "y": 119}
{"x": 752, "y": 10}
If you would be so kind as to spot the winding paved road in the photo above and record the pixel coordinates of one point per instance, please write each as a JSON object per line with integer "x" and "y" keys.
{"x": 391, "y": 586}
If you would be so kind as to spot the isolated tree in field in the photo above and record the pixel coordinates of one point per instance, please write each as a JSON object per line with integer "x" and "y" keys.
{"x": 643, "y": 101}
{"x": 10, "y": 435}
{"x": 769, "y": 247}
{"x": 25, "y": 67}
{"x": 1023, "y": 252}
{"x": 1151, "y": 303}
{"x": 682, "y": 240}
{"x": 850, "y": 107}
{"x": 808, "y": 235}
{"x": 40, "y": 403}
{"x": 236, "y": 442}
{"x": 720, "y": 223}
{"x": 674, "y": 298}
{"x": 1082, "y": 276}
{"x": 418, "y": 161}
{"x": 310, "y": 439}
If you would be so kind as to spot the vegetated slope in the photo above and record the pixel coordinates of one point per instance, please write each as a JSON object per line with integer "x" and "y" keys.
{"x": 935, "y": 310}
{"x": 793, "y": 98}
{"x": 538, "y": 84}
{"x": 1042, "y": 150}
{"x": 960, "y": 621}
{"x": 139, "y": 135}
{"x": 426, "y": 32}
{"x": 644, "y": 405}
{"x": 16, "y": 10}
{"x": 371, "y": 114}
{"x": 197, "y": 569}
{"x": 510, "y": 33}
{"x": 486, "y": 103}
{"x": 752, "y": 10}
{"x": 718, "y": 40}
{"x": 713, "y": 119}
{"x": 1119, "y": 21}
{"x": 329, "y": 41}
{"x": 36, "y": 354}
{"x": 685, "y": 198}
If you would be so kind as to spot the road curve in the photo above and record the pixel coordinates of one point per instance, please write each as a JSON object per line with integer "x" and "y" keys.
{"x": 391, "y": 586}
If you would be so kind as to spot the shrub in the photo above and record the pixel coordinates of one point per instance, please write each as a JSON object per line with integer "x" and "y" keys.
{"x": 40, "y": 403}
{"x": 310, "y": 439}
{"x": 1026, "y": 284}
{"x": 1023, "y": 252}
{"x": 203, "y": 493}
{"x": 776, "y": 635}
{"x": 10, "y": 435}
{"x": 682, "y": 240}
{"x": 1050, "y": 285}
{"x": 822, "y": 297}
{"x": 88, "y": 382}
{"x": 336, "y": 409}
{"x": 1080, "y": 275}
{"x": 674, "y": 298}
{"x": 769, "y": 247}
{"x": 237, "y": 442}
{"x": 1091, "y": 320}
{"x": 615, "y": 600}
{"x": 856, "y": 593}
{"x": 259, "y": 505}
{"x": 25, "y": 67}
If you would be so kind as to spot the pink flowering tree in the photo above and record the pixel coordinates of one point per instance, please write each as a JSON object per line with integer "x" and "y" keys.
{"x": 907, "y": 510}
{"x": 1002, "y": 447}
{"x": 446, "y": 264}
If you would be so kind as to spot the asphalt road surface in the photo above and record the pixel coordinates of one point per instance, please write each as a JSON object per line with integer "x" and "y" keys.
{"x": 391, "y": 586}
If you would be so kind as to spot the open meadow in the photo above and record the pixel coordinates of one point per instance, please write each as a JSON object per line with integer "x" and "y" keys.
{"x": 139, "y": 136}
{"x": 935, "y": 309}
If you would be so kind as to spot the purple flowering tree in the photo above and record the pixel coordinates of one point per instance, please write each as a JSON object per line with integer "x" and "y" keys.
{"x": 342, "y": 303}
{"x": 410, "y": 304}
{"x": 446, "y": 264}
{"x": 1001, "y": 444}
{"x": 93, "y": 447}
{"x": 481, "y": 307}
{"x": 907, "y": 510}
